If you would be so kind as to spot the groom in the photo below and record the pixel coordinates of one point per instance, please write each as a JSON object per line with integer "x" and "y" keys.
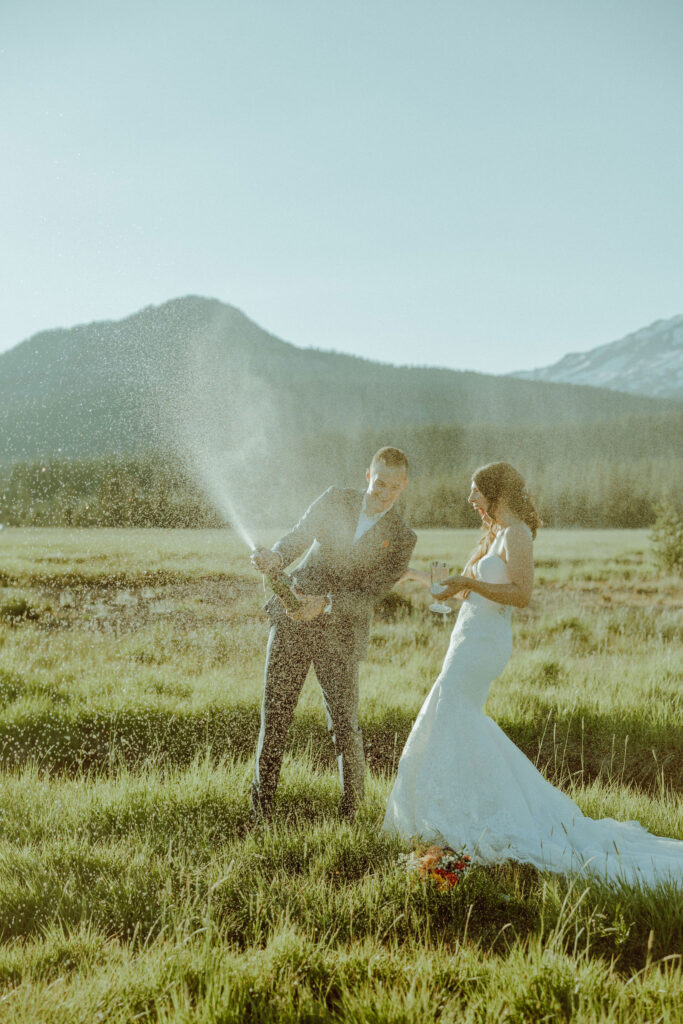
{"x": 357, "y": 547}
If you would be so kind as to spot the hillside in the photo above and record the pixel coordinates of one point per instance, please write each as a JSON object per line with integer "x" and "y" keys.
{"x": 647, "y": 362}
{"x": 122, "y": 386}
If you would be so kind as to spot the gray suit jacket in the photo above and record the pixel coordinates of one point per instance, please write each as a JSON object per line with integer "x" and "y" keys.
{"x": 356, "y": 575}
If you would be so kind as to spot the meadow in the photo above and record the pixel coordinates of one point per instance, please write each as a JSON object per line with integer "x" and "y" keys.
{"x": 131, "y": 666}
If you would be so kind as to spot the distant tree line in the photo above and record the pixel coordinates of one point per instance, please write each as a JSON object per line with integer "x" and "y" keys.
{"x": 612, "y": 474}
{"x": 141, "y": 491}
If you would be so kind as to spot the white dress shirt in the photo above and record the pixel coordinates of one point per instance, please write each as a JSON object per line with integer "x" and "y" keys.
{"x": 365, "y": 522}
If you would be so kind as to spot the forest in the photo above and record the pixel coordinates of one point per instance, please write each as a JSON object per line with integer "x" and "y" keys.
{"x": 610, "y": 474}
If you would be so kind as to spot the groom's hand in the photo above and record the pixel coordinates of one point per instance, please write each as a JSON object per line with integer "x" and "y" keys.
{"x": 309, "y": 608}
{"x": 266, "y": 560}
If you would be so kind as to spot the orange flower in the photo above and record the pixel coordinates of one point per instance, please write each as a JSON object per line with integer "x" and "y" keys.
{"x": 445, "y": 880}
{"x": 430, "y": 858}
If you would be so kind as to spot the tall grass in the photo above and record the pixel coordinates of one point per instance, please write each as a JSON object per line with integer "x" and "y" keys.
{"x": 132, "y": 889}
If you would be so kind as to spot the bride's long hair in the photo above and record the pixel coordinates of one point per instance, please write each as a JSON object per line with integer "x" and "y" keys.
{"x": 500, "y": 483}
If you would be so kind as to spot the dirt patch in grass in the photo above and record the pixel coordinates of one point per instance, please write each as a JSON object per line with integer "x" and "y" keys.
{"x": 105, "y": 607}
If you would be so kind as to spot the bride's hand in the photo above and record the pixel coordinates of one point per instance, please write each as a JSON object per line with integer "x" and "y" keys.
{"x": 454, "y": 586}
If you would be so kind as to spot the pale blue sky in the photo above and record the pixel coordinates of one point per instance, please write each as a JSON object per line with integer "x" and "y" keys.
{"x": 475, "y": 185}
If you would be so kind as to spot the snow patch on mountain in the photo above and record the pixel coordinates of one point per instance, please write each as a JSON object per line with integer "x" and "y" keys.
{"x": 647, "y": 362}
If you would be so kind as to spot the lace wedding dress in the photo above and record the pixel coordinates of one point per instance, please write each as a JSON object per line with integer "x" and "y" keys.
{"x": 461, "y": 782}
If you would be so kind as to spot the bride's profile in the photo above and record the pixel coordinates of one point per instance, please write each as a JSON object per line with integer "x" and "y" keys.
{"x": 461, "y": 782}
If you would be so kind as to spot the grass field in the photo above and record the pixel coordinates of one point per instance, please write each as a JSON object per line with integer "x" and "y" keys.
{"x": 130, "y": 889}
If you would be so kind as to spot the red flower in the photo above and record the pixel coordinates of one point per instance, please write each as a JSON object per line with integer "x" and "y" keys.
{"x": 448, "y": 876}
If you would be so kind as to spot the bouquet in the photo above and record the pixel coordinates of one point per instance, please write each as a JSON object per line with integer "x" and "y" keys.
{"x": 438, "y": 864}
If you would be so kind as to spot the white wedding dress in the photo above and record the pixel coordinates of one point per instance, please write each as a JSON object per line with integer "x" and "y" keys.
{"x": 461, "y": 782}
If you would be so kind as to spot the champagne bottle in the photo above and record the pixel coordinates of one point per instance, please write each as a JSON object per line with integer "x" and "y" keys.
{"x": 282, "y": 589}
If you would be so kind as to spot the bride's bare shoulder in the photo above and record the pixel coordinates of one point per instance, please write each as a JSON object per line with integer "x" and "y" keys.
{"x": 519, "y": 534}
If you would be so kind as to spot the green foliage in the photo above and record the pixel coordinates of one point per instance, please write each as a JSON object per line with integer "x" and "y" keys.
{"x": 667, "y": 537}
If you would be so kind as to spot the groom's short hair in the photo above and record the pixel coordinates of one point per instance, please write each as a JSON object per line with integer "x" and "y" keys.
{"x": 393, "y": 458}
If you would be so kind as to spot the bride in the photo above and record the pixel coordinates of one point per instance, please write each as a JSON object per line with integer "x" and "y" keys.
{"x": 461, "y": 782}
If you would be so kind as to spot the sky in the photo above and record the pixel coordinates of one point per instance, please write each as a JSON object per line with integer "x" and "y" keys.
{"x": 480, "y": 186}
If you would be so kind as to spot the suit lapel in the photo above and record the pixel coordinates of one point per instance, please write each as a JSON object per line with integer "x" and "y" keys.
{"x": 376, "y": 537}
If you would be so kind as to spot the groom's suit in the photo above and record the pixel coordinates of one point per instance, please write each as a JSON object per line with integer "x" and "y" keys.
{"x": 354, "y": 575}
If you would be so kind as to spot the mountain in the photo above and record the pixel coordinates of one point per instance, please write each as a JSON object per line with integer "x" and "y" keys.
{"x": 124, "y": 386}
{"x": 647, "y": 362}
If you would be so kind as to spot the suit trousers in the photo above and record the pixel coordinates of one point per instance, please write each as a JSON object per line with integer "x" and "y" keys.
{"x": 292, "y": 648}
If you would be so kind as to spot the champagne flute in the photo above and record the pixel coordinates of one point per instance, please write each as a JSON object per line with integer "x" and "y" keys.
{"x": 438, "y": 573}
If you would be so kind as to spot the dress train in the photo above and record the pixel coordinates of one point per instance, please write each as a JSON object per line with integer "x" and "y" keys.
{"x": 463, "y": 783}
